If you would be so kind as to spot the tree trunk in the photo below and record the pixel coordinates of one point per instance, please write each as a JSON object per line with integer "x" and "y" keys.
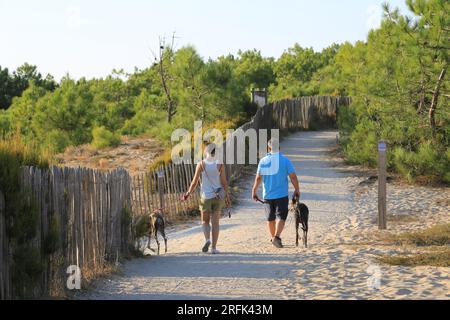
{"x": 203, "y": 113}
{"x": 434, "y": 101}
{"x": 170, "y": 112}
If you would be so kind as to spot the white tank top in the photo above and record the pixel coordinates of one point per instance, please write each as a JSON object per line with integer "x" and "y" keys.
{"x": 210, "y": 180}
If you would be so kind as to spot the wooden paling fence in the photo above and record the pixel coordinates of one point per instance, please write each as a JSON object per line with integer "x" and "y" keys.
{"x": 151, "y": 192}
{"x": 86, "y": 208}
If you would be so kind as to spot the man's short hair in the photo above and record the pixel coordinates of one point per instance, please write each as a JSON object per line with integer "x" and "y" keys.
{"x": 274, "y": 142}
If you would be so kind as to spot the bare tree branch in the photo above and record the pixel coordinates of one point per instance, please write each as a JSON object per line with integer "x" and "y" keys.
{"x": 434, "y": 101}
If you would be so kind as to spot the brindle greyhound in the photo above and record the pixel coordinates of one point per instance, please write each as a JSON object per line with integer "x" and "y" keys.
{"x": 301, "y": 213}
{"x": 157, "y": 224}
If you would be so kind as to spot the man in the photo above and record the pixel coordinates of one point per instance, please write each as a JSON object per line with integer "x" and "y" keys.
{"x": 273, "y": 171}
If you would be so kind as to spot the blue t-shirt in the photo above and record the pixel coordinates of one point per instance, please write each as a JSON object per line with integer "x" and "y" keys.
{"x": 275, "y": 169}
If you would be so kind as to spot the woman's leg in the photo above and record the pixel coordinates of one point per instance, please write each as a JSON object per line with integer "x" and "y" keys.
{"x": 206, "y": 227}
{"x": 215, "y": 219}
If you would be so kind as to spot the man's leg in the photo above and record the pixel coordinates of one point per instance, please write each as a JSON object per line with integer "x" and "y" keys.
{"x": 282, "y": 209}
{"x": 271, "y": 226}
{"x": 282, "y": 213}
{"x": 270, "y": 215}
{"x": 280, "y": 227}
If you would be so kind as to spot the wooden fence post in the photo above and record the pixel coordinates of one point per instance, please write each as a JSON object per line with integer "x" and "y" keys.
{"x": 382, "y": 185}
{"x": 161, "y": 187}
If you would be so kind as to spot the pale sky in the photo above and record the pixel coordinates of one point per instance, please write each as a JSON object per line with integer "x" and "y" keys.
{"x": 92, "y": 37}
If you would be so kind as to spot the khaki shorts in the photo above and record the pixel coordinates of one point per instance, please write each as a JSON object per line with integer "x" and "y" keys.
{"x": 211, "y": 205}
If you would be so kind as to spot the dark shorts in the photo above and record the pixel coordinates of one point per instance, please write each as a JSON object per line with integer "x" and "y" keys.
{"x": 277, "y": 208}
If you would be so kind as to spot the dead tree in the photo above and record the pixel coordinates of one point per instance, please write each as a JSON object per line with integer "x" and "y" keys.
{"x": 164, "y": 74}
{"x": 434, "y": 101}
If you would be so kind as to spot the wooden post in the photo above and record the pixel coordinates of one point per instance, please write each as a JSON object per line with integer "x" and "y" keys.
{"x": 382, "y": 185}
{"x": 160, "y": 187}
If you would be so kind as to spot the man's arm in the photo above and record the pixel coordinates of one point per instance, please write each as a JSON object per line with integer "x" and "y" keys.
{"x": 294, "y": 181}
{"x": 256, "y": 185}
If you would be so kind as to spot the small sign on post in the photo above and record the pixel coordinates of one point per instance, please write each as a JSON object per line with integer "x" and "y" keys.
{"x": 382, "y": 185}
{"x": 161, "y": 187}
{"x": 259, "y": 96}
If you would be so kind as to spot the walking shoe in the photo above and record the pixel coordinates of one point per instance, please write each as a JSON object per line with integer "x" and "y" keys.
{"x": 215, "y": 251}
{"x": 277, "y": 242}
{"x": 206, "y": 246}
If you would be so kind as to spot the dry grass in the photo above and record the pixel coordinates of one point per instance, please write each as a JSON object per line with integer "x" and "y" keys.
{"x": 438, "y": 258}
{"x": 133, "y": 153}
{"x": 100, "y": 271}
{"x": 22, "y": 152}
{"x": 89, "y": 274}
{"x": 429, "y": 181}
{"x": 162, "y": 160}
{"x": 402, "y": 218}
{"x": 438, "y": 235}
{"x": 443, "y": 202}
{"x": 436, "y": 241}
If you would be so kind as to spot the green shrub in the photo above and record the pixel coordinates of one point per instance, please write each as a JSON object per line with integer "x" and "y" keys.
{"x": 425, "y": 162}
{"x": 14, "y": 153}
{"x": 23, "y": 218}
{"x": 103, "y": 138}
{"x": 140, "y": 227}
{"x": 27, "y": 270}
{"x": 126, "y": 216}
{"x": 346, "y": 119}
{"x": 362, "y": 146}
{"x": 5, "y": 122}
{"x": 21, "y": 215}
{"x": 403, "y": 161}
{"x": 57, "y": 141}
{"x": 446, "y": 176}
{"x": 142, "y": 121}
{"x": 52, "y": 239}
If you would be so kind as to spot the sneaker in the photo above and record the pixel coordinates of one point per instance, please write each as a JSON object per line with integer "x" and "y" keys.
{"x": 215, "y": 251}
{"x": 206, "y": 246}
{"x": 277, "y": 242}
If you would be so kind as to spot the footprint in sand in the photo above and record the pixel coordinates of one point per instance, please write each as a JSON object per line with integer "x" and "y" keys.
{"x": 403, "y": 292}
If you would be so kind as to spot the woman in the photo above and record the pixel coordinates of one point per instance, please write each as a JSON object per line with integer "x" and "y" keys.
{"x": 214, "y": 195}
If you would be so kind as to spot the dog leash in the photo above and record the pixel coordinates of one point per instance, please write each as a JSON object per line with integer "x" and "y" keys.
{"x": 257, "y": 199}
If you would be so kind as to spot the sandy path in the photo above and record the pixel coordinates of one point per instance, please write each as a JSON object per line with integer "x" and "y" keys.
{"x": 251, "y": 268}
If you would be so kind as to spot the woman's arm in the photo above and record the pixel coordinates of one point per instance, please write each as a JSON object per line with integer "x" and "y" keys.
{"x": 198, "y": 171}
{"x": 224, "y": 182}
{"x": 223, "y": 178}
